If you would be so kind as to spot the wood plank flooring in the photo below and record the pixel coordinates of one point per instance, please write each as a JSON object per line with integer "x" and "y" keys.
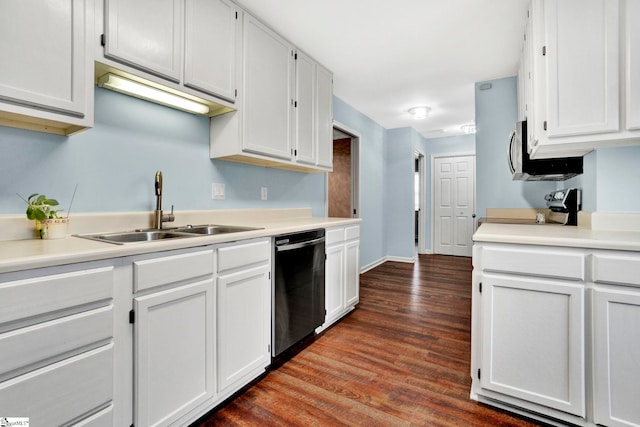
{"x": 400, "y": 359}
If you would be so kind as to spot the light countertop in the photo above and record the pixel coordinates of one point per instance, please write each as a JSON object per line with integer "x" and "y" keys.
{"x": 26, "y": 254}
{"x": 558, "y": 235}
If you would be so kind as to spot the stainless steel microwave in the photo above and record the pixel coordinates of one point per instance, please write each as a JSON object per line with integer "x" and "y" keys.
{"x": 524, "y": 168}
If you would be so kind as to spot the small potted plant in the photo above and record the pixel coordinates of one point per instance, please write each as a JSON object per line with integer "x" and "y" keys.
{"x": 49, "y": 225}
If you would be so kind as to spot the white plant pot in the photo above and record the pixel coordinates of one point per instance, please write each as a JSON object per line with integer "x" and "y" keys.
{"x": 54, "y": 228}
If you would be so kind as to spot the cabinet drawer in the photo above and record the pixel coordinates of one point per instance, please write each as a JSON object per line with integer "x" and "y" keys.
{"x": 103, "y": 418}
{"x": 352, "y": 232}
{"x": 31, "y": 297}
{"x": 334, "y": 235}
{"x": 623, "y": 270}
{"x": 170, "y": 269}
{"x": 243, "y": 255}
{"x": 536, "y": 262}
{"x": 35, "y": 344}
{"x": 59, "y": 393}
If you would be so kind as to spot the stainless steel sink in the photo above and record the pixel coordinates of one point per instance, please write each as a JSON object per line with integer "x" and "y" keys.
{"x": 133, "y": 236}
{"x": 138, "y": 236}
{"x": 210, "y": 229}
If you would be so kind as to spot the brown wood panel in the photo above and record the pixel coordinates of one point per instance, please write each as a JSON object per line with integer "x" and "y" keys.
{"x": 401, "y": 358}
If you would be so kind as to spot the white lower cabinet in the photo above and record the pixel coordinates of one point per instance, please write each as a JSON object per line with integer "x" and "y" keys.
{"x": 555, "y": 333}
{"x": 342, "y": 272}
{"x": 616, "y": 328}
{"x": 174, "y": 337}
{"x": 56, "y": 344}
{"x": 533, "y": 341}
{"x": 243, "y": 313}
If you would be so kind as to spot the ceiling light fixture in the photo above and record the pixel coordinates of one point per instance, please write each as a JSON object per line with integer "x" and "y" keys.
{"x": 419, "y": 113}
{"x": 470, "y": 128}
{"x": 148, "y": 93}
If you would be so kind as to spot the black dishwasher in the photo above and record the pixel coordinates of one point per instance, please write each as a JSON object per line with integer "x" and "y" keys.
{"x": 298, "y": 288}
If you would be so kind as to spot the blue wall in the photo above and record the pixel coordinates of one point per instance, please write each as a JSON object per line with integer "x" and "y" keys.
{"x": 114, "y": 164}
{"x": 399, "y": 217}
{"x": 372, "y": 184}
{"x": 611, "y": 180}
{"x": 496, "y": 115}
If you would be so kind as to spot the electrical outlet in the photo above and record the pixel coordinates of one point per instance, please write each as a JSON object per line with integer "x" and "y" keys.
{"x": 217, "y": 191}
{"x": 263, "y": 193}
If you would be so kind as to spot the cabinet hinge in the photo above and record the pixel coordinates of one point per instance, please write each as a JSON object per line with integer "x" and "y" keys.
{"x": 102, "y": 41}
{"x": 295, "y": 56}
{"x": 544, "y": 51}
{"x": 236, "y": 93}
{"x": 480, "y": 287}
{"x": 479, "y": 375}
{"x": 236, "y": 15}
{"x": 295, "y": 104}
{"x": 132, "y": 317}
{"x": 268, "y": 348}
{"x": 544, "y": 125}
{"x": 269, "y": 276}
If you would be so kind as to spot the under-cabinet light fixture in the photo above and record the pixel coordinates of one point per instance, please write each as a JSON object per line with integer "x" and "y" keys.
{"x": 468, "y": 128}
{"x": 148, "y": 93}
{"x": 419, "y": 113}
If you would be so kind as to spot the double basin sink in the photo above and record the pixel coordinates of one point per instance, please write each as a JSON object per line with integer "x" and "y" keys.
{"x": 137, "y": 236}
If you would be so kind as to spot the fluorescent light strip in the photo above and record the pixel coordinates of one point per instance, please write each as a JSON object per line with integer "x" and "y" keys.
{"x": 140, "y": 90}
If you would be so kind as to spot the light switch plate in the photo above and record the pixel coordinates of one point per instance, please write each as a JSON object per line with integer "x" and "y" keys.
{"x": 217, "y": 191}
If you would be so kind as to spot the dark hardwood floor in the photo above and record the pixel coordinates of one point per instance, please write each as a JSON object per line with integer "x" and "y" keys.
{"x": 401, "y": 358}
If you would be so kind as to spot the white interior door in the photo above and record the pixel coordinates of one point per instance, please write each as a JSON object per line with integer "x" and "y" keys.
{"x": 454, "y": 205}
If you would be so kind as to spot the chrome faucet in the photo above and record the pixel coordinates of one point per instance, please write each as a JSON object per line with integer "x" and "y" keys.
{"x": 159, "y": 217}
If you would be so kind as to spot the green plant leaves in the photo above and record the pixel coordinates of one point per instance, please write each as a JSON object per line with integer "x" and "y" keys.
{"x": 39, "y": 207}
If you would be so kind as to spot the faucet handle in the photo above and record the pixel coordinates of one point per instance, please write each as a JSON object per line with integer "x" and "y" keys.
{"x": 158, "y": 183}
{"x": 168, "y": 217}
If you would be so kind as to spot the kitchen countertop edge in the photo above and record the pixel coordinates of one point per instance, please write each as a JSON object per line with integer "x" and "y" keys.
{"x": 17, "y": 255}
{"x": 564, "y": 236}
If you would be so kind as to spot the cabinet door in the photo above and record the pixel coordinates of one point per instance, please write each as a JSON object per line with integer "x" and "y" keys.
{"x": 632, "y": 53}
{"x": 211, "y": 37}
{"x": 244, "y": 324}
{"x": 146, "y": 34}
{"x": 42, "y": 46}
{"x": 268, "y": 91}
{"x": 533, "y": 341}
{"x": 305, "y": 109}
{"x": 582, "y": 60}
{"x": 334, "y": 281}
{"x": 616, "y": 356}
{"x": 352, "y": 277}
{"x": 174, "y": 352}
{"x": 324, "y": 117}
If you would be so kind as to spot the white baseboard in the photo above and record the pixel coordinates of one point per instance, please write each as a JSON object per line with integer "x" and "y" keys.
{"x": 381, "y": 261}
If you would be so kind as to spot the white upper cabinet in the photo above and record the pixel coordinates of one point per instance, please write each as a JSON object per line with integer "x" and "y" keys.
{"x": 631, "y": 12}
{"x": 268, "y": 91}
{"x": 582, "y": 63}
{"x": 305, "y": 150}
{"x": 211, "y": 38}
{"x": 45, "y": 82}
{"x": 284, "y": 118}
{"x": 576, "y": 64}
{"x": 186, "y": 47}
{"x": 324, "y": 117}
{"x": 145, "y": 34}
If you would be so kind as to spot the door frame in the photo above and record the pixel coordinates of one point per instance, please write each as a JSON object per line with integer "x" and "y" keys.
{"x": 433, "y": 184}
{"x": 422, "y": 195}
{"x": 355, "y": 170}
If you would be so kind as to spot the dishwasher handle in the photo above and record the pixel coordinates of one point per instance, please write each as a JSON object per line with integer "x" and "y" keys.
{"x": 292, "y": 246}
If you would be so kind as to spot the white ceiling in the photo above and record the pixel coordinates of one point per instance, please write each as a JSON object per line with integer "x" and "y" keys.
{"x": 389, "y": 56}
